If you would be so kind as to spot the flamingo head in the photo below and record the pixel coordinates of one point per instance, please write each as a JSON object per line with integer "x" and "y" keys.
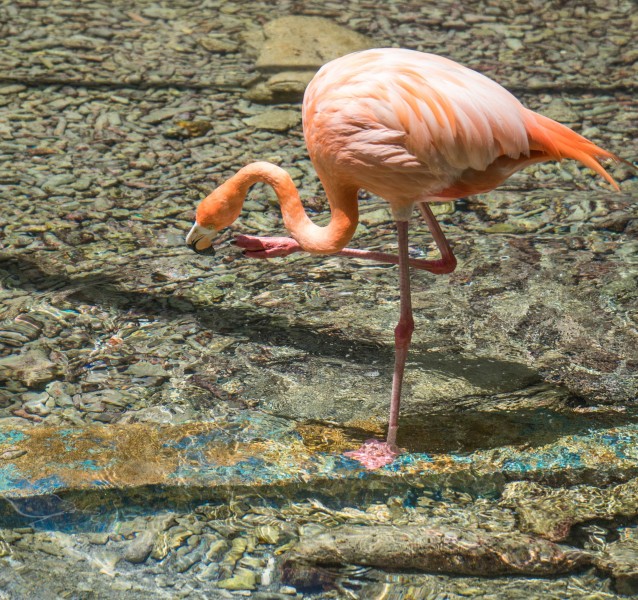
{"x": 215, "y": 212}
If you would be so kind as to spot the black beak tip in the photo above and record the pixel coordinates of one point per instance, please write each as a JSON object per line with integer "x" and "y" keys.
{"x": 208, "y": 251}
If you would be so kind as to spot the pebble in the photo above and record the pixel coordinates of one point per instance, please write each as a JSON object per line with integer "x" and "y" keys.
{"x": 275, "y": 120}
{"x": 162, "y": 114}
{"x": 57, "y": 181}
{"x": 218, "y": 45}
{"x": 209, "y": 572}
{"x": 13, "y": 88}
{"x": 288, "y": 590}
{"x": 98, "y": 539}
{"x": 158, "y": 12}
{"x": 60, "y": 393}
{"x": 169, "y": 540}
{"x": 376, "y": 217}
{"x": 139, "y": 549}
{"x": 186, "y": 557}
{"x": 38, "y": 405}
{"x": 268, "y": 534}
{"x": 513, "y": 43}
{"x": 243, "y": 579}
{"x": 12, "y": 454}
{"x": 215, "y": 550}
{"x": 33, "y": 367}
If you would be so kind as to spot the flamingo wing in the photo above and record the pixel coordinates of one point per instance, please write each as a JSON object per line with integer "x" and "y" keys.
{"x": 445, "y": 129}
{"x": 408, "y": 111}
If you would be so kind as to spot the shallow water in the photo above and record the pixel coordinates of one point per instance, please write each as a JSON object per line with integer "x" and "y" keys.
{"x": 172, "y": 425}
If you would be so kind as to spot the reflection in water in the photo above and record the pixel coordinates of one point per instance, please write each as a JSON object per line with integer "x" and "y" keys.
{"x": 467, "y": 430}
{"x": 45, "y": 511}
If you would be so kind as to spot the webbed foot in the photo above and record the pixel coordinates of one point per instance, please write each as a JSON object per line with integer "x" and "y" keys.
{"x": 266, "y": 247}
{"x": 374, "y": 454}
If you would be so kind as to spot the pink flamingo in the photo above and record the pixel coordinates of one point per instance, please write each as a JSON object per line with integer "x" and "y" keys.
{"x": 412, "y": 128}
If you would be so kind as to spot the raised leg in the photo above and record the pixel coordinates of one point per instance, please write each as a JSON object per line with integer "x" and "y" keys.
{"x": 271, "y": 247}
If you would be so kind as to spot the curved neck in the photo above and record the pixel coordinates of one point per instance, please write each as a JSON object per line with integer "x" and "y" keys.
{"x": 344, "y": 213}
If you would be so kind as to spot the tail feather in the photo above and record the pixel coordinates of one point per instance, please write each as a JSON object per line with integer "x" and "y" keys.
{"x": 559, "y": 142}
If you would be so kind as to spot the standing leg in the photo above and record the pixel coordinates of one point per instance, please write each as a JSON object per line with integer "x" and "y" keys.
{"x": 374, "y": 454}
{"x": 402, "y": 332}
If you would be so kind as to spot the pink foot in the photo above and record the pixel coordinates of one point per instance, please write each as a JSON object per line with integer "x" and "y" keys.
{"x": 374, "y": 454}
{"x": 266, "y": 247}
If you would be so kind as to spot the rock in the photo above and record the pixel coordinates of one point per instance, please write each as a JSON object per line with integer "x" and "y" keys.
{"x": 181, "y": 130}
{"x": 161, "y": 114}
{"x": 442, "y": 208}
{"x": 12, "y": 88}
{"x": 159, "y": 12}
{"x": 445, "y": 550}
{"x": 275, "y": 120}
{"x": 620, "y": 560}
{"x": 288, "y": 590}
{"x": 169, "y": 540}
{"x": 376, "y": 217}
{"x": 243, "y": 579}
{"x": 80, "y": 42}
{"x": 98, "y": 538}
{"x": 95, "y": 401}
{"x": 139, "y": 549}
{"x": 294, "y": 48}
{"x": 12, "y": 453}
{"x": 155, "y": 414}
{"x": 513, "y": 44}
{"x": 145, "y": 541}
{"x": 217, "y": 45}
{"x": 108, "y": 561}
{"x": 287, "y": 86}
{"x": 60, "y": 393}
{"x": 268, "y": 534}
{"x": 146, "y": 369}
{"x": 36, "y": 404}
{"x": 57, "y": 181}
{"x": 298, "y": 42}
{"x": 560, "y": 111}
{"x": 32, "y": 368}
{"x": 551, "y": 512}
{"x": 186, "y": 557}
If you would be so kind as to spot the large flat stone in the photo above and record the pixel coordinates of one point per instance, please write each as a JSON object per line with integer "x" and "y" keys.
{"x": 303, "y": 43}
{"x": 265, "y": 452}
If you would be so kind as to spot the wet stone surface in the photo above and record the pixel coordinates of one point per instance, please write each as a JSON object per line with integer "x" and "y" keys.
{"x": 116, "y": 120}
{"x": 252, "y": 546}
{"x": 536, "y": 506}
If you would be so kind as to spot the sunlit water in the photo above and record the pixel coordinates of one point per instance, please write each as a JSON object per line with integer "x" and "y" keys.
{"x": 171, "y": 423}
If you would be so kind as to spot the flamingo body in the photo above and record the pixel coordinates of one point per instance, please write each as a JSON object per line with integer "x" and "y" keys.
{"x": 410, "y": 126}
{"x": 413, "y": 128}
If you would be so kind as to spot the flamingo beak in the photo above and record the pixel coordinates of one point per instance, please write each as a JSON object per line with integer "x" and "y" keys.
{"x": 200, "y": 240}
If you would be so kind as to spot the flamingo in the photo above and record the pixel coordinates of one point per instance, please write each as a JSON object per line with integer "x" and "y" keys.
{"x": 414, "y": 129}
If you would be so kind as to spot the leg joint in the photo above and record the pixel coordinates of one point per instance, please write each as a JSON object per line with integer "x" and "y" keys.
{"x": 403, "y": 330}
